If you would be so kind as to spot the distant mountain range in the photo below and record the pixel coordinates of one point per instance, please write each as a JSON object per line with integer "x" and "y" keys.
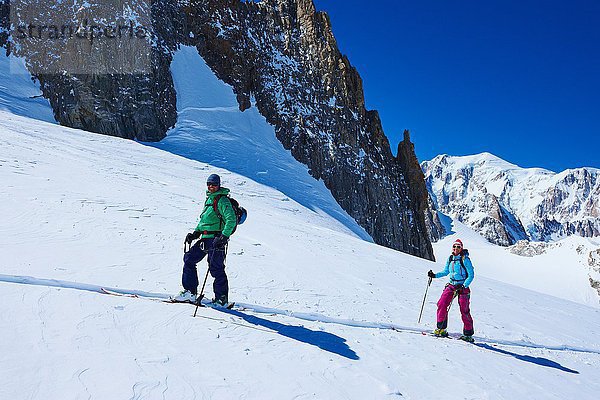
{"x": 506, "y": 203}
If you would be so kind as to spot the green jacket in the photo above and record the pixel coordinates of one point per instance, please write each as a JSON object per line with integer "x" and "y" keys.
{"x": 210, "y": 221}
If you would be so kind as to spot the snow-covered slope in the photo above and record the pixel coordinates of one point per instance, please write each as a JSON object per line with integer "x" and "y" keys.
{"x": 19, "y": 94}
{"x": 211, "y": 128}
{"x": 506, "y": 203}
{"x": 561, "y": 268}
{"x": 82, "y": 211}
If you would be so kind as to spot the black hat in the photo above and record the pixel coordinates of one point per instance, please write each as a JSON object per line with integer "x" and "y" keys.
{"x": 214, "y": 179}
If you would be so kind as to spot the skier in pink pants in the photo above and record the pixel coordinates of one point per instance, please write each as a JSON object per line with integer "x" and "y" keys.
{"x": 460, "y": 269}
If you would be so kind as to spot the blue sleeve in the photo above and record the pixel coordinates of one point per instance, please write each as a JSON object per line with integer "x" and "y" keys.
{"x": 446, "y": 270}
{"x": 470, "y": 271}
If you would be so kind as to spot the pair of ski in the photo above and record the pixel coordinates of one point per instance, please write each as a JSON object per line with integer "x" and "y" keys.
{"x": 199, "y": 303}
{"x": 210, "y": 304}
{"x": 461, "y": 338}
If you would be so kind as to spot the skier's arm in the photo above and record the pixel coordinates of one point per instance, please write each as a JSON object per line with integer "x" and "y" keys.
{"x": 446, "y": 270}
{"x": 470, "y": 271}
{"x": 229, "y": 218}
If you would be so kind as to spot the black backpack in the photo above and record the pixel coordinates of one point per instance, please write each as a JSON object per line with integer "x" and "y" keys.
{"x": 240, "y": 212}
{"x": 464, "y": 253}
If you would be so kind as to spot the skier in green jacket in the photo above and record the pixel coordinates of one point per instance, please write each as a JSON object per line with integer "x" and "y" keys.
{"x": 217, "y": 223}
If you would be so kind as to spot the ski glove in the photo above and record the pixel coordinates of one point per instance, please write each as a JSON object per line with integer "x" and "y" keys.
{"x": 220, "y": 241}
{"x": 431, "y": 274}
{"x": 192, "y": 236}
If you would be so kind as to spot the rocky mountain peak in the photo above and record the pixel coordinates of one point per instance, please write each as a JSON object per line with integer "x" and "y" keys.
{"x": 282, "y": 57}
{"x": 506, "y": 203}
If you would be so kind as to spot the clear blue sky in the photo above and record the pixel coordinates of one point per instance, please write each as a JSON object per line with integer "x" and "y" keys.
{"x": 519, "y": 79}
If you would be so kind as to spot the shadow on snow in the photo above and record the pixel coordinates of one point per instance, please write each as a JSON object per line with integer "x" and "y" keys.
{"x": 323, "y": 340}
{"x": 534, "y": 360}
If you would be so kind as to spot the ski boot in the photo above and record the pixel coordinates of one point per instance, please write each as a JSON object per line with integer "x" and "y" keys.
{"x": 221, "y": 301}
{"x": 467, "y": 338}
{"x": 440, "y": 332}
{"x": 185, "y": 296}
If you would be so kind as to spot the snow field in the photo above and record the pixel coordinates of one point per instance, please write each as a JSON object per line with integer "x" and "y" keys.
{"x": 76, "y": 215}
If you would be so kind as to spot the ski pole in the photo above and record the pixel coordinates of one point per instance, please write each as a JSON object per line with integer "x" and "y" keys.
{"x": 424, "y": 297}
{"x": 199, "y": 298}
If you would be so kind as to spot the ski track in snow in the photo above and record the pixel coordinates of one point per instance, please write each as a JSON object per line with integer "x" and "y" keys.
{"x": 314, "y": 317}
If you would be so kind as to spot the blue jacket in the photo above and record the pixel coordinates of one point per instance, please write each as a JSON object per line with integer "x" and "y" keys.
{"x": 457, "y": 273}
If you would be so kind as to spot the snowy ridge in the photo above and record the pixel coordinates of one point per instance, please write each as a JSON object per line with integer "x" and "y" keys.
{"x": 506, "y": 203}
{"x": 526, "y": 207}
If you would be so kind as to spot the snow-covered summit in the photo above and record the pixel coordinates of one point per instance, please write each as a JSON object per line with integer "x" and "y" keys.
{"x": 507, "y": 203}
{"x": 481, "y": 159}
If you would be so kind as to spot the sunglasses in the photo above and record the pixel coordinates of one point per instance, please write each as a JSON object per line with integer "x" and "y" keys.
{"x": 212, "y": 184}
{"x": 457, "y": 247}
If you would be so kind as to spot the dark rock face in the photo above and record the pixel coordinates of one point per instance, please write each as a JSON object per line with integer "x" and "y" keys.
{"x": 282, "y": 54}
{"x": 418, "y": 192}
{"x": 4, "y": 22}
{"x": 126, "y": 103}
{"x": 138, "y": 107}
{"x": 594, "y": 263}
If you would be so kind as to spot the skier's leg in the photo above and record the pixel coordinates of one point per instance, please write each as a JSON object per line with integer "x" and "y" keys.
{"x": 442, "y": 304}
{"x": 216, "y": 266}
{"x": 465, "y": 311}
{"x": 189, "y": 278}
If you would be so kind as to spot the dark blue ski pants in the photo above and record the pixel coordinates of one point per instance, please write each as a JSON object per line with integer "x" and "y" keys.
{"x": 216, "y": 266}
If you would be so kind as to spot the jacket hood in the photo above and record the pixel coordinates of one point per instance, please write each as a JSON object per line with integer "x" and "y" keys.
{"x": 222, "y": 190}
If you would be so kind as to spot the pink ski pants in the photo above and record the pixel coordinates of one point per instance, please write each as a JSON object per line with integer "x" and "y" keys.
{"x": 463, "y": 302}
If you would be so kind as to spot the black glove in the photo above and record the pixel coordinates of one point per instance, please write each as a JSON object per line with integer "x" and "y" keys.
{"x": 430, "y": 274}
{"x": 190, "y": 237}
{"x": 220, "y": 240}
